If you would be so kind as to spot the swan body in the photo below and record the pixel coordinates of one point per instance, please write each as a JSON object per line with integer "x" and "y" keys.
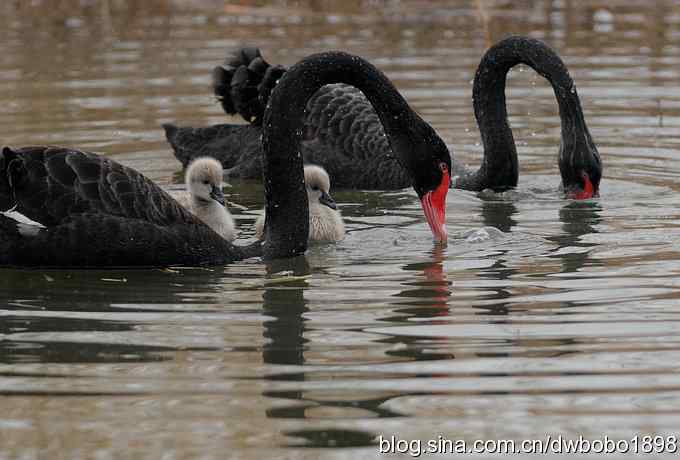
{"x": 95, "y": 212}
{"x": 325, "y": 221}
{"x": 204, "y": 197}
{"x": 343, "y": 133}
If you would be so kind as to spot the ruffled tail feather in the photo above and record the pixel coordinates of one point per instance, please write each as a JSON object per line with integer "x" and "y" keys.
{"x": 244, "y": 82}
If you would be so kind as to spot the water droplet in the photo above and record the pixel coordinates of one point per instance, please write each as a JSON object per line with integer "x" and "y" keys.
{"x": 73, "y": 23}
{"x": 603, "y": 15}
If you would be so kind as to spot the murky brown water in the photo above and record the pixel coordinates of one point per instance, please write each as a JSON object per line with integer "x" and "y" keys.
{"x": 568, "y": 323}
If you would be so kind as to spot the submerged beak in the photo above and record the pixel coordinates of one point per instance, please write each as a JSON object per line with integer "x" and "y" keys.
{"x": 217, "y": 195}
{"x": 586, "y": 193}
{"x": 434, "y": 208}
{"x": 327, "y": 200}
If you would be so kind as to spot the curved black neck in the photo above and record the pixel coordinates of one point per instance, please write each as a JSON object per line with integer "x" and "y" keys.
{"x": 411, "y": 139}
{"x": 499, "y": 168}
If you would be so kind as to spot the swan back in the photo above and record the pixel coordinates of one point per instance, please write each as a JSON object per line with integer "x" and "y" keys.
{"x": 95, "y": 212}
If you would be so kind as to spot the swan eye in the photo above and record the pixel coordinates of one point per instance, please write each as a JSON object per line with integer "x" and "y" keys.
{"x": 206, "y": 182}
{"x": 443, "y": 167}
{"x": 315, "y": 188}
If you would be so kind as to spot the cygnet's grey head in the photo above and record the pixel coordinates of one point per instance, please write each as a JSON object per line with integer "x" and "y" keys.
{"x": 204, "y": 180}
{"x": 318, "y": 186}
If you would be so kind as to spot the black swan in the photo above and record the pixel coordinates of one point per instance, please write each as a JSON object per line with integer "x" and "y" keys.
{"x": 343, "y": 133}
{"x": 96, "y": 212}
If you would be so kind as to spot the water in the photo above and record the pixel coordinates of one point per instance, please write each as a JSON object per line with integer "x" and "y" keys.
{"x": 564, "y": 323}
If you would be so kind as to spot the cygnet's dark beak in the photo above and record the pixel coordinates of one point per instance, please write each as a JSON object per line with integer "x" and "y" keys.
{"x": 327, "y": 200}
{"x": 217, "y": 195}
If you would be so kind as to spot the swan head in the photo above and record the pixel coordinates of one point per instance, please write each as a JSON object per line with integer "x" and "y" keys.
{"x": 319, "y": 186}
{"x": 204, "y": 180}
{"x": 581, "y": 173}
{"x": 431, "y": 172}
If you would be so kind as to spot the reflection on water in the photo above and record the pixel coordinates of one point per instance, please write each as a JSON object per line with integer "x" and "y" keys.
{"x": 499, "y": 214}
{"x": 578, "y": 219}
{"x": 286, "y": 305}
{"x": 564, "y": 320}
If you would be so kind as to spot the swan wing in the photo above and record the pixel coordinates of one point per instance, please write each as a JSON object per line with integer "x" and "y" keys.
{"x": 51, "y": 184}
{"x": 344, "y": 135}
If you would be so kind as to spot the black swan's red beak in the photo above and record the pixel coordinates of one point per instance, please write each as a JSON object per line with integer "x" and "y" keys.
{"x": 588, "y": 191}
{"x": 434, "y": 207}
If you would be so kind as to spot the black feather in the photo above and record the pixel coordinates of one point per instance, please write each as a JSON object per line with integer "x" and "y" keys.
{"x": 98, "y": 213}
{"x": 342, "y": 133}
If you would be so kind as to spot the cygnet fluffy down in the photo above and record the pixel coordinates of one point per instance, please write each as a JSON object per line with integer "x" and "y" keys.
{"x": 205, "y": 198}
{"x": 325, "y": 221}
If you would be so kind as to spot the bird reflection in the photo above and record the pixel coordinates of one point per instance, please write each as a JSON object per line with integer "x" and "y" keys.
{"x": 499, "y": 214}
{"x": 286, "y": 304}
{"x": 25, "y": 292}
{"x": 430, "y": 295}
{"x": 578, "y": 218}
{"x": 286, "y": 345}
{"x": 428, "y": 298}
